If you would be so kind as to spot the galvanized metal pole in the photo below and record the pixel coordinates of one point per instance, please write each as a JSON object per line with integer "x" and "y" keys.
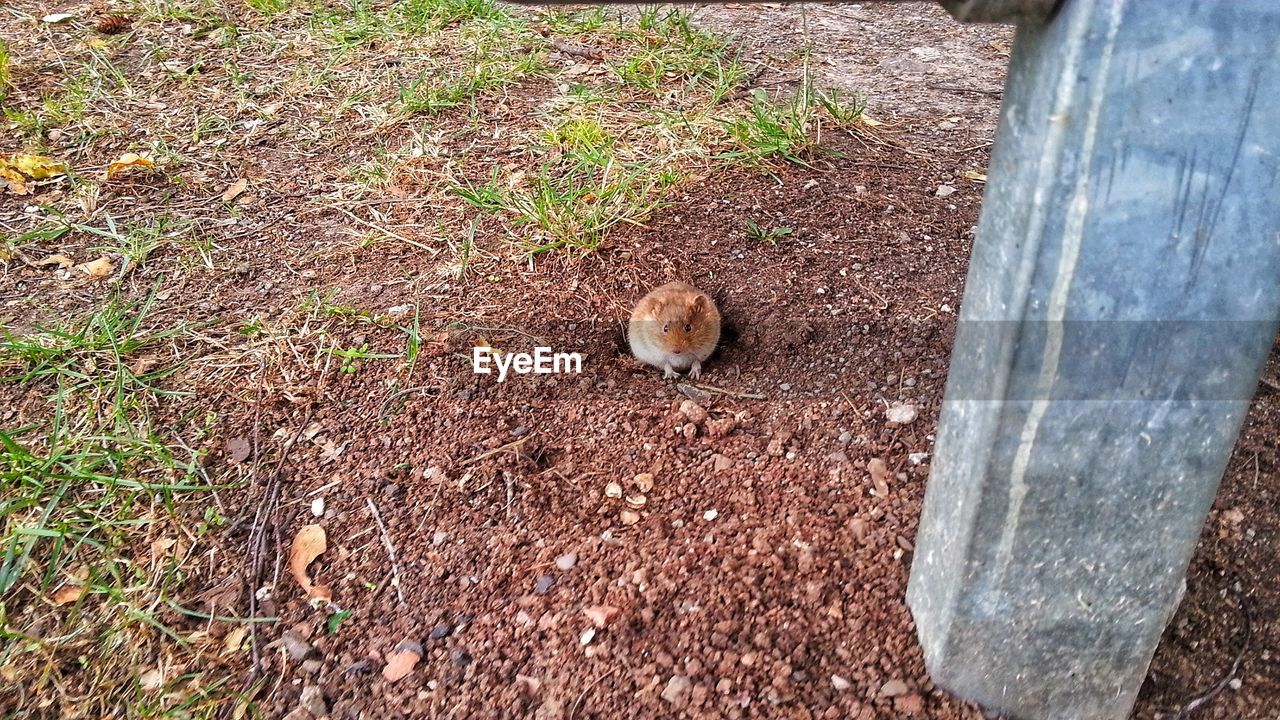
{"x": 1123, "y": 294}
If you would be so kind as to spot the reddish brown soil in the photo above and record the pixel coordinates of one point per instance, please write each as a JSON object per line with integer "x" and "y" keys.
{"x": 801, "y": 572}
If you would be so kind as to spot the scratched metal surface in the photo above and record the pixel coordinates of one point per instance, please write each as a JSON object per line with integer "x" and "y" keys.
{"x": 1121, "y": 300}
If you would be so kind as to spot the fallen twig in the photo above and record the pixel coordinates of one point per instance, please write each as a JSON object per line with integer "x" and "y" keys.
{"x": 1204, "y": 698}
{"x": 391, "y": 548}
{"x": 258, "y": 546}
{"x": 581, "y": 51}
{"x": 490, "y": 453}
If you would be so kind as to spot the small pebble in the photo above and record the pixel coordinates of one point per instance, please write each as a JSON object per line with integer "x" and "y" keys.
{"x": 312, "y": 700}
{"x": 441, "y": 631}
{"x": 317, "y": 507}
{"x": 784, "y": 386}
{"x": 840, "y": 683}
{"x": 543, "y": 584}
{"x": 893, "y": 688}
{"x": 440, "y": 538}
{"x": 520, "y": 431}
{"x": 710, "y": 515}
{"x": 567, "y": 561}
{"x": 587, "y": 636}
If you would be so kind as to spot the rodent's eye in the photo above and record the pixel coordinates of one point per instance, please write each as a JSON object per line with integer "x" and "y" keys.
{"x": 664, "y": 328}
{"x": 688, "y": 328}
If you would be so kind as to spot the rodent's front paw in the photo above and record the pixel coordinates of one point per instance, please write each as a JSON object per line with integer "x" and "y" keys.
{"x": 695, "y": 372}
{"x": 669, "y": 373}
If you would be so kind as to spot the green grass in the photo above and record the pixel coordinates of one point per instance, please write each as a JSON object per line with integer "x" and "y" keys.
{"x": 771, "y": 235}
{"x": 82, "y": 489}
{"x": 4, "y": 71}
{"x": 573, "y": 204}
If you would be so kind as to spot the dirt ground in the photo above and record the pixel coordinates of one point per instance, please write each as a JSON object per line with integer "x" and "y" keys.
{"x": 750, "y": 568}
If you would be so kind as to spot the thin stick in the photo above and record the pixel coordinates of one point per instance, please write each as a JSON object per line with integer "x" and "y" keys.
{"x": 386, "y": 232}
{"x": 391, "y": 549}
{"x": 257, "y": 545}
{"x": 509, "y": 446}
{"x": 1207, "y": 696}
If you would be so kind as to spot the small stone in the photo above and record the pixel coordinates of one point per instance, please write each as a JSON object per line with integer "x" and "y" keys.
{"x": 543, "y": 584}
{"x": 566, "y": 561}
{"x": 359, "y": 667}
{"x": 677, "y": 690}
{"x": 901, "y": 413}
{"x": 460, "y": 657}
{"x": 317, "y": 507}
{"x": 439, "y": 538}
{"x": 441, "y": 631}
{"x": 909, "y": 704}
{"x": 710, "y": 515}
{"x": 893, "y": 688}
{"x": 295, "y": 645}
{"x": 520, "y": 431}
{"x": 312, "y": 666}
{"x": 845, "y": 437}
{"x": 1235, "y": 683}
{"x": 840, "y": 683}
{"x": 784, "y": 387}
{"x": 402, "y": 660}
{"x": 944, "y": 191}
{"x": 629, "y": 517}
{"x": 312, "y": 700}
{"x": 693, "y": 411}
{"x": 720, "y": 462}
{"x": 587, "y": 636}
{"x": 721, "y": 427}
{"x": 601, "y": 615}
{"x": 917, "y": 457}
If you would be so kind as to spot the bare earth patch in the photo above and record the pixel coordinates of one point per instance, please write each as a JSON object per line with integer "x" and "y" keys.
{"x": 343, "y": 201}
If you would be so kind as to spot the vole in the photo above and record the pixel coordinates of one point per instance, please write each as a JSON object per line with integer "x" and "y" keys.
{"x": 675, "y": 327}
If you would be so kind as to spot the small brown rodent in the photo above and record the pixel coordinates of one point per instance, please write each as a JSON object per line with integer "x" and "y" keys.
{"x": 675, "y": 327}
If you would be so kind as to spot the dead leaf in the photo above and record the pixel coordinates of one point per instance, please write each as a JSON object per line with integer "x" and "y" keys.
{"x": 127, "y": 161}
{"x": 68, "y": 594}
{"x": 102, "y": 267}
{"x": 237, "y": 450}
{"x": 869, "y": 121}
{"x": 974, "y": 175}
{"x": 309, "y": 544}
{"x": 20, "y": 168}
{"x": 234, "y": 189}
{"x": 151, "y": 680}
{"x": 160, "y": 548}
{"x": 879, "y": 477}
{"x": 401, "y": 661}
{"x": 9, "y": 673}
{"x": 601, "y": 615}
{"x": 56, "y": 18}
{"x": 234, "y": 641}
{"x": 61, "y": 261}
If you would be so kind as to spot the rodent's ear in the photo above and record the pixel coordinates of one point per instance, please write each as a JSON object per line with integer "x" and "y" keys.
{"x": 700, "y": 304}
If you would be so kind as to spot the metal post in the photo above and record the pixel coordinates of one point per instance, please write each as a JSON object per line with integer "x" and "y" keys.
{"x": 1123, "y": 294}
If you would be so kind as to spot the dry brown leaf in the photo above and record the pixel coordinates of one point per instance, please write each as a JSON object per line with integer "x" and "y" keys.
{"x": 402, "y": 660}
{"x": 61, "y": 261}
{"x": 879, "y": 477}
{"x": 238, "y": 450}
{"x": 102, "y": 267}
{"x": 20, "y": 168}
{"x": 234, "y": 641}
{"x": 68, "y": 594}
{"x": 9, "y": 673}
{"x": 127, "y": 161}
{"x": 309, "y": 544}
{"x": 974, "y": 175}
{"x": 234, "y": 189}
